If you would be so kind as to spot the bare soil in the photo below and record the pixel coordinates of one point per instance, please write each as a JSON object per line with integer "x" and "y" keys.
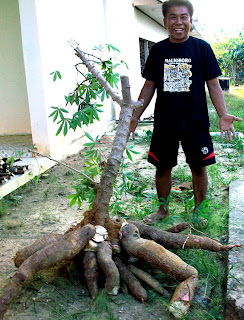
{"x": 41, "y": 207}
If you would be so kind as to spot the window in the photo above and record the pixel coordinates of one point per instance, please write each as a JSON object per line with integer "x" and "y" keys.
{"x": 145, "y": 47}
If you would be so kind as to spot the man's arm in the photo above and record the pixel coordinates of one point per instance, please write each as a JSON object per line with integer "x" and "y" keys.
{"x": 146, "y": 94}
{"x": 225, "y": 119}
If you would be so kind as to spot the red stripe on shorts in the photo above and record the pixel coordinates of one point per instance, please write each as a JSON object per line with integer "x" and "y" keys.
{"x": 210, "y": 156}
{"x": 153, "y": 156}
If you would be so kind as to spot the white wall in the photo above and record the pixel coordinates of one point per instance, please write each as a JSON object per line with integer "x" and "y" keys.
{"x": 46, "y": 27}
{"x": 14, "y": 111}
{"x": 121, "y": 30}
{"x": 149, "y": 29}
{"x": 124, "y": 26}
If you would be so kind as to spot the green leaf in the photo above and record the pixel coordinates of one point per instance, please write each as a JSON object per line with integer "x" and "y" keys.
{"x": 84, "y": 118}
{"x": 88, "y": 136}
{"x": 110, "y": 46}
{"x": 60, "y": 129}
{"x": 71, "y": 196}
{"x": 79, "y": 202}
{"x": 64, "y": 110}
{"x": 53, "y": 113}
{"x": 88, "y": 163}
{"x": 56, "y": 116}
{"x": 87, "y": 98}
{"x": 73, "y": 201}
{"x": 65, "y": 128}
{"x": 100, "y": 48}
{"x": 103, "y": 96}
{"x": 59, "y": 75}
{"x": 129, "y": 155}
{"x": 88, "y": 144}
{"x": 92, "y": 94}
{"x": 55, "y": 75}
{"x": 11, "y": 160}
{"x": 135, "y": 152}
{"x": 95, "y": 114}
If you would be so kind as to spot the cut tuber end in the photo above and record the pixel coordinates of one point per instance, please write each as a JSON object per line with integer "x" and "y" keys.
{"x": 113, "y": 292}
{"x": 179, "y": 308}
{"x": 231, "y": 246}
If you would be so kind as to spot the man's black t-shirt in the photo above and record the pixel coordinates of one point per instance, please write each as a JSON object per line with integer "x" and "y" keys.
{"x": 180, "y": 71}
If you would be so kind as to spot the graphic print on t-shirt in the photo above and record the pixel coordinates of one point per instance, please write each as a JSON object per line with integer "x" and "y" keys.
{"x": 177, "y": 73}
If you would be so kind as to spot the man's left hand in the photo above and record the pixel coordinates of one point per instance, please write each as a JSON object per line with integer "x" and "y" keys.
{"x": 227, "y": 127}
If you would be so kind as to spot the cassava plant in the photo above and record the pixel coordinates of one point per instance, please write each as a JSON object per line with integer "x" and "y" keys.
{"x": 124, "y": 239}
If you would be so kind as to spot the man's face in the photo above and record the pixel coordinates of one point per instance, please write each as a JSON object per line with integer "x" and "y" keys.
{"x": 178, "y": 23}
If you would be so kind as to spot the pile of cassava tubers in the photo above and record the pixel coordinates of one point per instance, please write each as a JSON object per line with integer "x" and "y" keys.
{"x": 111, "y": 256}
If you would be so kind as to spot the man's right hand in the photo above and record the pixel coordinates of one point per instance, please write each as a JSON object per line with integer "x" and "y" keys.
{"x": 133, "y": 125}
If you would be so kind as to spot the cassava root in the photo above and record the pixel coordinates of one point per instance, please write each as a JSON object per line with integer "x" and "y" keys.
{"x": 54, "y": 248}
{"x": 172, "y": 240}
{"x": 91, "y": 272}
{"x": 104, "y": 257}
{"x": 130, "y": 280}
{"x": 64, "y": 248}
{"x": 166, "y": 261}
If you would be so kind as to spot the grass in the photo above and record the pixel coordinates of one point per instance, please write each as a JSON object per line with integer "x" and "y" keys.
{"x": 234, "y": 99}
{"x": 3, "y": 208}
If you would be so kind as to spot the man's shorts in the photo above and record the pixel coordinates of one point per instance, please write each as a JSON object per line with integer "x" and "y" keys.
{"x": 197, "y": 146}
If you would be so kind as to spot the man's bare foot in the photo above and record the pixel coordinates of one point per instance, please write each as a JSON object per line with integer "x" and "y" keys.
{"x": 156, "y": 217}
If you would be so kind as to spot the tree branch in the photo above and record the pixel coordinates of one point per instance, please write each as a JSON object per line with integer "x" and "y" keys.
{"x": 100, "y": 78}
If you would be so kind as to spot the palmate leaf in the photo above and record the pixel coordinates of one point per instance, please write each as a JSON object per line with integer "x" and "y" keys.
{"x": 63, "y": 125}
{"x": 99, "y": 48}
{"x": 112, "y": 78}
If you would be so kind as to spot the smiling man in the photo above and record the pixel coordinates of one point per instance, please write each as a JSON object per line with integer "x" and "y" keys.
{"x": 178, "y": 69}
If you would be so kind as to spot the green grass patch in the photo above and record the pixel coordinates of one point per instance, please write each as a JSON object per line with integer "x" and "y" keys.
{"x": 234, "y": 99}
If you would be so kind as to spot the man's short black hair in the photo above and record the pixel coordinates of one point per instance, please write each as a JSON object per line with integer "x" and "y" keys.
{"x": 177, "y": 3}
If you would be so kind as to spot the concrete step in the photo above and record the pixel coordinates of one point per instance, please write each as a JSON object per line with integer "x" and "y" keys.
{"x": 235, "y": 283}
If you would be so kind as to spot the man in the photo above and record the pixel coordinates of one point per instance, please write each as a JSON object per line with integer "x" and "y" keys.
{"x": 178, "y": 68}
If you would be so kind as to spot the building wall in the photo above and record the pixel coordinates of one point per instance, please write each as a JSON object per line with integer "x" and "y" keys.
{"x": 46, "y": 28}
{"x": 149, "y": 29}
{"x": 14, "y": 111}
